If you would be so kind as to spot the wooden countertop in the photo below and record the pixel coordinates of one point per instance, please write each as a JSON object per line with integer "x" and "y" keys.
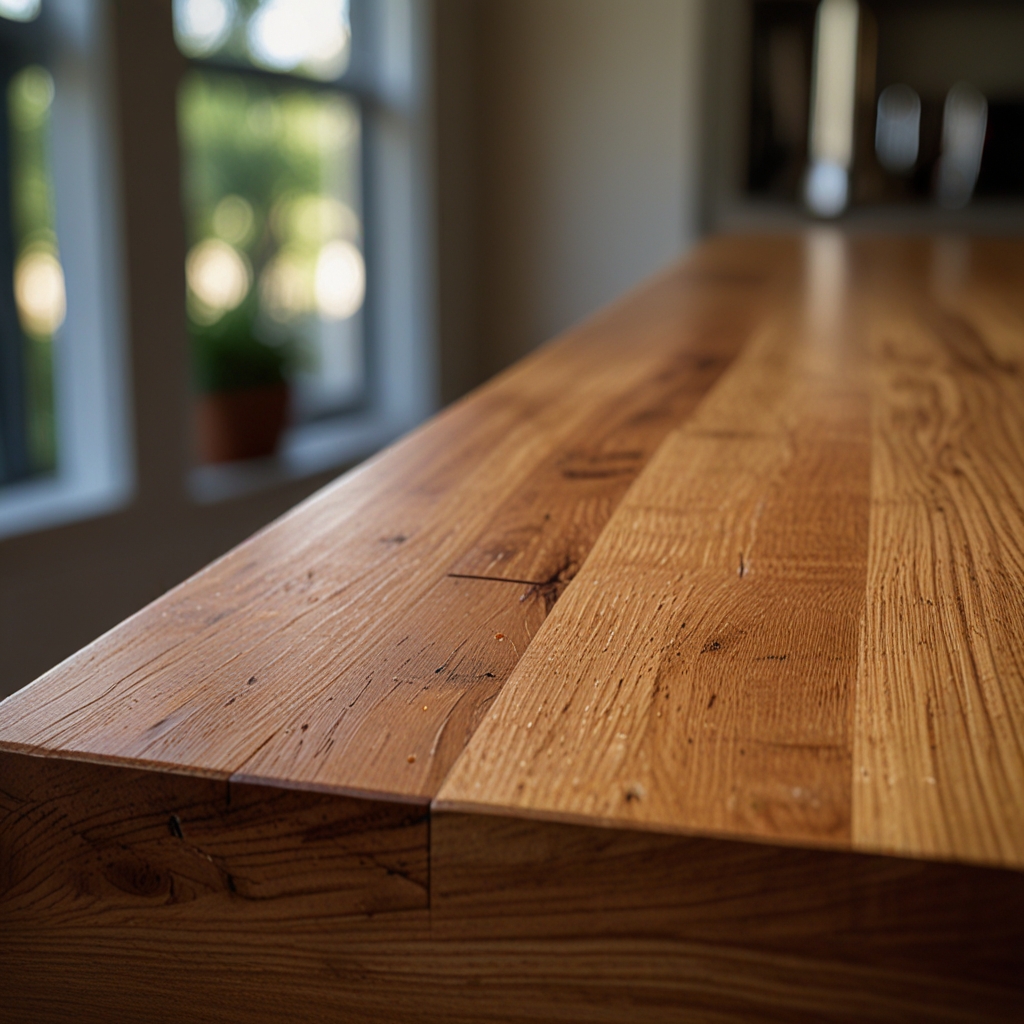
{"x": 739, "y": 562}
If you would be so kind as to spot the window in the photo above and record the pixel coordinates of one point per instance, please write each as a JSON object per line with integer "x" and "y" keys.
{"x": 288, "y": 111}
{"x": 272, "y": 194}
{"x": 63, "y": 435}
{"x": 36, "y": 283}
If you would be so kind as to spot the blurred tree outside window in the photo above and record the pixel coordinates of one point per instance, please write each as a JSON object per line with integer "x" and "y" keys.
{"x": 272, "y": 191}
{"x": 32, "y": 294}
{"x": 19, "y": 10}
{"x": 38, "y": 277}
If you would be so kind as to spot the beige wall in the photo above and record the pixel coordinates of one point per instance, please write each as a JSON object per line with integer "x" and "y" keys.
{"x": 589, "y": 123}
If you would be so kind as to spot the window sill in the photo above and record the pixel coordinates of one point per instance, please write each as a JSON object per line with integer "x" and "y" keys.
{"x": 306, "y": 450}
{"x": 982, "y": 216}
{"x": 42, "y": 504}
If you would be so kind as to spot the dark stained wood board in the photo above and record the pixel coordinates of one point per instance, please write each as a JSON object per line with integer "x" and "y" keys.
{"x": 348, "y": 645}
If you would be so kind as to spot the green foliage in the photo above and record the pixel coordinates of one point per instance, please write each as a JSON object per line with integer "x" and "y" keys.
{"x": 29, "y": 97}
{"x": 264, "y": 143}
{"x": 274, "y": 151}
{"x": 227, "y": 356}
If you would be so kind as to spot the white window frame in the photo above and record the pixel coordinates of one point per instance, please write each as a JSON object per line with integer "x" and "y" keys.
{"x": 95, "y": 454}
{"x": 391, "y": 71}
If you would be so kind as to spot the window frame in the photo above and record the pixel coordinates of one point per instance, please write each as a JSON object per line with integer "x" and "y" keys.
{"x": 386, "y": 79}
{"x": 105, "y": 461}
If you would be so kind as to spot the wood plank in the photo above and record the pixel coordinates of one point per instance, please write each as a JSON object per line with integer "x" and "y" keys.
{"x": 699, "y": 673}
{"x": 425, "y": 684}
{"x": 649, "y": 921}
{"x": 308, "y": 654}
{"x": 940, "y": 709}
{"x": 528, "y": 921}
{"x": 132, "y": 895}
{"x": 104, "y": 843}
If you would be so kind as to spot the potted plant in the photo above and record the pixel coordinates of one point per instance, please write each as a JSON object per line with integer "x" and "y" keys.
{"x": 242, "y": 406}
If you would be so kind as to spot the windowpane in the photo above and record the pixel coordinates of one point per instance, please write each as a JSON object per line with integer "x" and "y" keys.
{"x": 305, "y": 37}
{"x": 38, "y": 276}
{"x": 275, "y": 268}
{"x": 19, "y": 10}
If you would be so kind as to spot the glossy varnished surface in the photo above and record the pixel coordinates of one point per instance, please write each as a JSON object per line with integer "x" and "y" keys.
{"x": 680, "y": 668}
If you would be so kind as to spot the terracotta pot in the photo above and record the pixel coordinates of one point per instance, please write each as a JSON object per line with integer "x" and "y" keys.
{"x": 235, "y": 425}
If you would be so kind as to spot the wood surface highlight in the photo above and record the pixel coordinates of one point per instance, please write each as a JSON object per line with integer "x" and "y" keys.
{"x": 940, "y": 710}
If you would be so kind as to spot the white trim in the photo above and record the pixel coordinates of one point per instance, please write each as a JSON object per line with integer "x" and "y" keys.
{"x": 403, "y": 326}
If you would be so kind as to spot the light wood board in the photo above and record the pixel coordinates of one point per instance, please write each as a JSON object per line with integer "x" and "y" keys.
{"x": 805, "y": 620}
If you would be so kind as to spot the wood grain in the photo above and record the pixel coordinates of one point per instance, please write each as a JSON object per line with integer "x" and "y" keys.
{"x": 677, "y": 674}
{"x": 76, "y": 836}
{"x": 528, "y": 921}
{"x": 334, "y": 648}
{"x": 898, "y": 938}
{"x": 940, "y": 710}
{"x": 858, "y": 472}
{"x": 545, "y": 532}
{"x": 699, "y": 674}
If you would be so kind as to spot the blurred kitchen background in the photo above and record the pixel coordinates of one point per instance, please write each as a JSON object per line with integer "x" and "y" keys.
{"x": 246, "y": 243}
